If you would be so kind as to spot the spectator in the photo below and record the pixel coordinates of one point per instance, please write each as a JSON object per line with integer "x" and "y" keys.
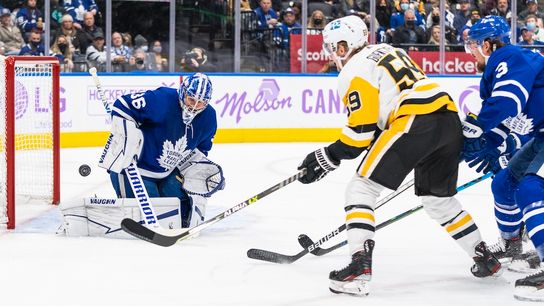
{"x": 140, "y": 43}
{"x": 196, "y": 60}
{"x": 61, "y": 49}
{"x": 120, "y": 54}
{"x": 384, "y": 10}
{"x": 474, "y": 17}
{"x": 528, "y": 40}
{"x": 434, "y": 20}
{"x": 531, "y": 25}
{"x": 127, "y": 39}
{"x": 532, "y": 8}
{"x": 434, "y": 17}
{"x": 297, "y": 9}
{"x": 57, "y": 11}
{"x": 316, "y": 22}
{"x": 35, "y": 45}
{"x": 397, "y": 19}
{"x": 138, "y": 62}
{"x": 245, "y": 6}
{"x": 502, "y": 10}
{"x": 10, "y": 34}
{"x": 78, "y": 8}
{"x": 409, "y": 33}
{"x": 276, "y": 5}
{"x": 157, "y": 61}
{"x": 434, "y": 40}
{"x": 289, "y": 26}
{"x": 84, "y": 37}
{"x": 29, "y": 18}
{"x": 266, "y": 16}
{"x": 96, "y": 52}
{"x": 67, "y": 29}
{"x": 462, "y": 16}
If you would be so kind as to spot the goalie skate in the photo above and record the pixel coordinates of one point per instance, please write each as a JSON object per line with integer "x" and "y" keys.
{"x": 354, "y": 279}
{"x": 530, "y": 288}
{"x": 525, "y": 263}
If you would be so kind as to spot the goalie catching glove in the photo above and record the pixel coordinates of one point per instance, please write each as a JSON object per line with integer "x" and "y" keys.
{"x": 317, "y": 165}
{"x": 123, "y": 146}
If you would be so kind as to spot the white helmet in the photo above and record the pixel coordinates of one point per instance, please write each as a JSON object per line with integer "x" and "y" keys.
{"x": 350, "y": 29}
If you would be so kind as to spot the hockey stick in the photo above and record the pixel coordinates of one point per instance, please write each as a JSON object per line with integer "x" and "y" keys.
{"x": 287, "y": 259}
{"x": 167, "y": 238}
{"x": 135, "y": 179}
{"x": 306, "y": 241}
{"x": 256, "y": 253}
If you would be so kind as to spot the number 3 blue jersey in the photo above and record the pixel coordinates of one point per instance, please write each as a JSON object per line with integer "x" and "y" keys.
{"x": 512, "y": 88}
{"x": 167, "y": 139}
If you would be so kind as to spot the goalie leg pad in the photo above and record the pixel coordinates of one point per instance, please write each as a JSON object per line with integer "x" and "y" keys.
{"x": 361, "y": 195}
{"x": 199, "y": 210}
{"x": 457, "y": 222}
{"x": 102, "y": 217}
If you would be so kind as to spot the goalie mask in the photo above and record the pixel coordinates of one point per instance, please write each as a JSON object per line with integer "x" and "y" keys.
{"x": 350, "y": 29}
{"x": 195, "y": 93}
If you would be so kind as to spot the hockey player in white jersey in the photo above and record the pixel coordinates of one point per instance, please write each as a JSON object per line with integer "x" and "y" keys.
{"x": 384, "y": 91}
{"x": 512, "y": 90}
{"x": 166, "y": 131}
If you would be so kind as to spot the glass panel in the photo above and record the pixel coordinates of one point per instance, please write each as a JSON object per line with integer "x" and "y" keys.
{"x": 204, "y": 36}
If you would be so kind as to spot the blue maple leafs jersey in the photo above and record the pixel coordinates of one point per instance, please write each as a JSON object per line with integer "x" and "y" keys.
{"x": 512, "y": 90}
{"x": 167, "y": 139}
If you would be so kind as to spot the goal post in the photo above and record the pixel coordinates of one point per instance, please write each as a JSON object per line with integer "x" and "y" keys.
{"x": 29, "y": 133}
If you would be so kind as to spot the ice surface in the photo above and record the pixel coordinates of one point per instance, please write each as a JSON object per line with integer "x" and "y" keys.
{"x": 415, "y": 261}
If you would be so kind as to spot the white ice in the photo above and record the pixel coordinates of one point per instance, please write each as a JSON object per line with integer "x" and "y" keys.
{"x": 415, "y": 261}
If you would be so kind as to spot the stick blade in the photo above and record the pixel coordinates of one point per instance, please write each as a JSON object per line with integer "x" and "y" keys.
{"x": 139, "y": 231}
{"x": 305, "y": 242}
{"x": 269, "y": 256}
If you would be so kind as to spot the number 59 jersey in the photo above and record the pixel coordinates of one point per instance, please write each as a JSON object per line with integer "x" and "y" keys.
{"x": 380, "y": 84}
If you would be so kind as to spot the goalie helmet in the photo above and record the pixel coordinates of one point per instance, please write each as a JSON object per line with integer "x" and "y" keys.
{"x": 195, "y": 92}
{"x": 350, "y": 29}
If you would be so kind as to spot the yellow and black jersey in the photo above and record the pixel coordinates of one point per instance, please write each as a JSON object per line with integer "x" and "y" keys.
{"x": 380, "y": 84}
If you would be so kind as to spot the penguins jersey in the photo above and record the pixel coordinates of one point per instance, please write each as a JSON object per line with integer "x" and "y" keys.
{"x": 380, "y": 84}
{"x": 167, "y": 140}
{"x": 512, "y": 90}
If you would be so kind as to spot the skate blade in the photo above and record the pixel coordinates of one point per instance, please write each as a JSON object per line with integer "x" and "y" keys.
{"x": 522, "y": 266}
{"x": 356, "y": 287}
{"x": 526, "y": 293}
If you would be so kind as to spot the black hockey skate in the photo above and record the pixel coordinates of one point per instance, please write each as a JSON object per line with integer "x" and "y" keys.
{"x": 485, "y": 263}
{"x": 525, "y": 263}
{"x": 354, "y": 278}
{"x": 506, "y": 249}
{"x": 530, "y": 288}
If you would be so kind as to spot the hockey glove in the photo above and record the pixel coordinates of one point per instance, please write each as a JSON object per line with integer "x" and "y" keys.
{"x": 123, "y": 146}
{"x": 497, "y": 159}
{"x": 475, "y": 142}
{"x": 317, "y": 164}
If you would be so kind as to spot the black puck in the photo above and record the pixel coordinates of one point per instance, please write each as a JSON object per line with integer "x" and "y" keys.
{"x": 84, "y": 170}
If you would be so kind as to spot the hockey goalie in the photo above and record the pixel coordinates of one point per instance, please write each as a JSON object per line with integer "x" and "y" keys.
{"x": 167, "y": 134}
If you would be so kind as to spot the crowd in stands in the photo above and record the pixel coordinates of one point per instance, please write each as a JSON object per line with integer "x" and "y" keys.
{"x": 410, "y": 24}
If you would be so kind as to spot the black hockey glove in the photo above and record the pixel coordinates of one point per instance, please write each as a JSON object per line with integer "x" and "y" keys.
{"x": 317, "y": 165}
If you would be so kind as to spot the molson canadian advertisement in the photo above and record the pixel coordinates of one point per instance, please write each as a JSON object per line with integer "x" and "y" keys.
{"x": 250, "y": 108}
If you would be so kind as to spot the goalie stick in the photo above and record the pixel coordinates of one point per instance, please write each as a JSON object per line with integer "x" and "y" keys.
{"x": 135, "y": 179}
{"x": 165, "y": 237}
{"x": 274, "y": 257}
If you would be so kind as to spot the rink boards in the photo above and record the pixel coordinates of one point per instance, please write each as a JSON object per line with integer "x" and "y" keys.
{"x": 250, "y": 107}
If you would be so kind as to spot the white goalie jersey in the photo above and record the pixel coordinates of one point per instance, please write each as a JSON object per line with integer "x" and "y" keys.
{"x": 380, "y": 84}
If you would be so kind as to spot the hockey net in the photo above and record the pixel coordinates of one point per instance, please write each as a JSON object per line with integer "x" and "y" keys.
{"x": 29, "y": 133}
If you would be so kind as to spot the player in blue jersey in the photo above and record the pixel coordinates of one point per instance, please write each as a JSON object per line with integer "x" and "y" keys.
{"x": 512, "y": 90}
{"x": 165, "y": 130}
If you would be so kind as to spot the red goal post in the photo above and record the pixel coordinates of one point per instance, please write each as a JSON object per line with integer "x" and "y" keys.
{"x": 29, "y": 133}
